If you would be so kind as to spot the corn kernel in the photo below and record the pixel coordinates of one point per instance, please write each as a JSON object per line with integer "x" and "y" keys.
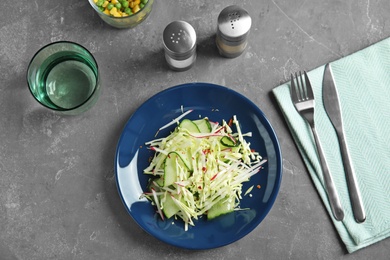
{"x": 106, "y": 12}
{"x": 114, "y": 1}
{"x": 131, "y": 5}
{"x": 95, "y": 1}
{"x": 113, "y": 11}
{"x": 136, "y": 9}
{"x": 137, "y": 2}
{"x": 105, "y": 4}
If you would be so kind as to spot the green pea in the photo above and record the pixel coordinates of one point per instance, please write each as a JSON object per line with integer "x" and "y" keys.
{"x": 141, "y": 5}
{"x": 99, "y": 3}
{"x": 125, "y": 4}
{"x": 110, "y": 6}
{"x": 144, "y": 1}
{"x": 101, "y": 8}
{"x": 128, "y": 11}
{"x": 118, "y": 5}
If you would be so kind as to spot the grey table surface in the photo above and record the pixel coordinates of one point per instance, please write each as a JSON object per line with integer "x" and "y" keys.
{"x": 58, "y": 196}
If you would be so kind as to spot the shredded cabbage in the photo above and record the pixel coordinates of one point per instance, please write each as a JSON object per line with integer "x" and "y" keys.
{"x": 194, "y": 173}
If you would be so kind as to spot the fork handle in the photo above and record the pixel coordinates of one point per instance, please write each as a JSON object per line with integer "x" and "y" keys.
{"x": 333, "y": 196}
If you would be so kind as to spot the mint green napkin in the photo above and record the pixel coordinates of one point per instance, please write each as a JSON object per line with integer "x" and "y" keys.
{"x": 363, "y": 83}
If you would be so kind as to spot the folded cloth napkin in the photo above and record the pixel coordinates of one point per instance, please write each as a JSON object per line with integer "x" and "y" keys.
{"x": 363, "y": 83}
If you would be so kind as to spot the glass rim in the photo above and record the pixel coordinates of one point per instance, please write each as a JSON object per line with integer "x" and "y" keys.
{"x": 95, "y": 7}
{"x": 60, "y": 108}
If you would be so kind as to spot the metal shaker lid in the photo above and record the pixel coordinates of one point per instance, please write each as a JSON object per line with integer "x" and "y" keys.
{"x": 179, "y": 39}
{"x": 234, "y": 23}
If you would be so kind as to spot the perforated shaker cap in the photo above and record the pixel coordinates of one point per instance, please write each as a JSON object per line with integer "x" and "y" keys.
{"x": 234, "y": 24}
{"x": 179, "y": 39}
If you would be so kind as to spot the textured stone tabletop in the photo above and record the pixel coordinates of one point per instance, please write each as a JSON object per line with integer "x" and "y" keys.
{"x": 58, "y": 196}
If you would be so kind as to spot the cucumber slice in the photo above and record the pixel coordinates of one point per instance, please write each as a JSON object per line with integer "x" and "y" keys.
{"x": 160, "y": 182}
{"x": 189, "y": 125}
{"x": 169, "y": 207}
{"x": 203, "y": 125}
{"x": 186, "y": 156}
{"x": 170, "y": 168}
{"x": 222, "y": 207}
{"x": 155, "y": 183}
{"x": 229, "y": 141}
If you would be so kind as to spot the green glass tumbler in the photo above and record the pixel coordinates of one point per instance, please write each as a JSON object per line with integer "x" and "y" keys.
{"x": 63, "y": 76}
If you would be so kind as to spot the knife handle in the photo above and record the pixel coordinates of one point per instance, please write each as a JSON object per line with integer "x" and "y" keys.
{"x": 333, "y": 196}
{"x": 353, "y": 188}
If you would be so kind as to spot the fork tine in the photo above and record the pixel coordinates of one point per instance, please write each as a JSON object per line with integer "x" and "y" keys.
{"x": 309, "y": 89}
{"x": 302, "y": 89}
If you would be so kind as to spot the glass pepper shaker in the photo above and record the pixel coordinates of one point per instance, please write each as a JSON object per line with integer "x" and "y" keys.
{"x": 233, "y": 28}
{"x": 179, "y": 40}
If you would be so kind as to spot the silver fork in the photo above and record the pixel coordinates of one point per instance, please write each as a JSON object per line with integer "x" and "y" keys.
{"x": 303, "y": 99}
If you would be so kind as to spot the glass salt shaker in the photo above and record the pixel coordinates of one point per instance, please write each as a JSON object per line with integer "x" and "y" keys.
{"x": 179, "y": 40}
{"x": 234, "y": 24}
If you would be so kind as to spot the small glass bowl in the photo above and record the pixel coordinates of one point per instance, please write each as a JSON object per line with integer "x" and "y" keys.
{"x": 125, "y": 22}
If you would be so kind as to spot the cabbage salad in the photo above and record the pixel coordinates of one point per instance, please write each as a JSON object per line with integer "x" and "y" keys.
{"x": 199, "y": 169}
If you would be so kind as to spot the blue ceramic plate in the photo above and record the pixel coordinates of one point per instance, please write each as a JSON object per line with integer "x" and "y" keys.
{"x": 217, "y": 103}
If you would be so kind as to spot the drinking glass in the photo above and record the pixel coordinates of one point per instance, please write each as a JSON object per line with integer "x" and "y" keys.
{"x": 64, "y": 76}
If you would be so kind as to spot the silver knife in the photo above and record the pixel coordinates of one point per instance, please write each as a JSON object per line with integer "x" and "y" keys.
{"x": 332, "y": 108}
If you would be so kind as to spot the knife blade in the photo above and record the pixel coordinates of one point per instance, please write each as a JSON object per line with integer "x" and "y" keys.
{"x": 333, "y": 109}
